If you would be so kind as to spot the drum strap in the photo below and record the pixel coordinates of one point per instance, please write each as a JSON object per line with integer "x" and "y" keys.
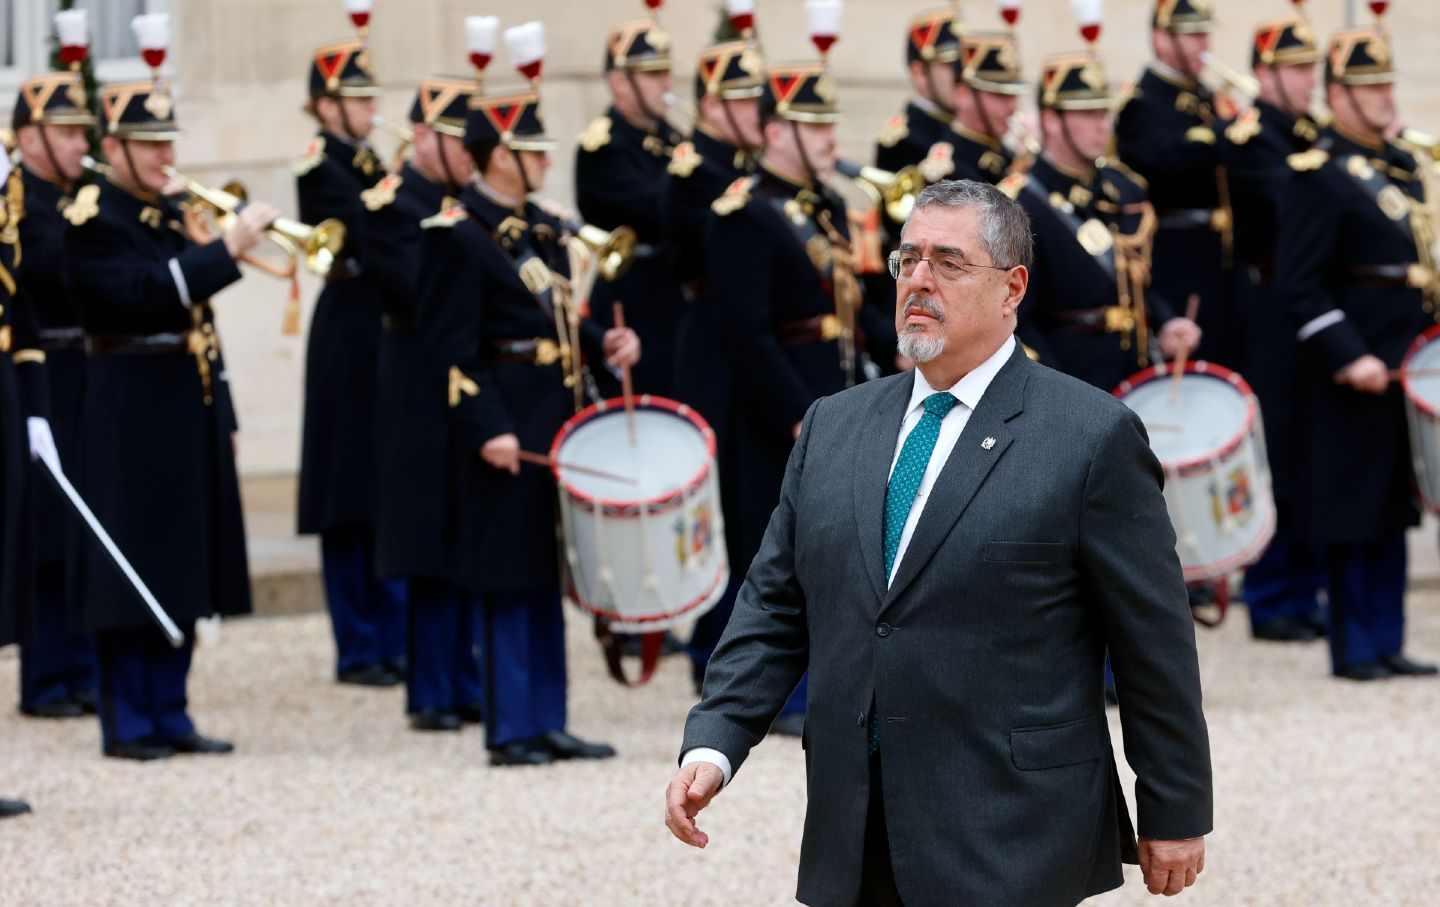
{"x": 651, "y": 645}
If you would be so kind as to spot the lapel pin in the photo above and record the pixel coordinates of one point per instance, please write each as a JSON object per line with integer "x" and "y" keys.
{"x": 988, "y": 443}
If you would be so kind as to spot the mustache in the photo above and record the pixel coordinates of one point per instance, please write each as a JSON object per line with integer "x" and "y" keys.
{"x": 925, "y": 306}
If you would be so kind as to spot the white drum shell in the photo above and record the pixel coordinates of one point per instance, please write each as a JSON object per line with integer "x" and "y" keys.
{"x": 1220, "y": 497}
{"x": 1422, "y": 403}
{"x": 644, "y": 567}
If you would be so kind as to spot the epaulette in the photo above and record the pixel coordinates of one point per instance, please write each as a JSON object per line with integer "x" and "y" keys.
{"x": 1303, "y": 161}
{"x": 314, "y": 153}
{"x": 1245, "y": 127}
{"x": 85, "y": 206}
{"x": 684, "y": 160}
{"x": 734, "y": 198}
{"x": 939, "y": 162}
{"x": 896, "y": 129}
{"x": 1202, "y": 134}
{"x": 447, "y": 218}
{"x": 596, "y": 135}
{"x": 1014, "y": 184}
{"x": 382, "y": 193}
{"x": 1124, "y": 169}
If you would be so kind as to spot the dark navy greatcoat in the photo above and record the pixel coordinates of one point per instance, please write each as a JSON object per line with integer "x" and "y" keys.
{"x": 761, "y": 283}
{"x": 621, "y": 182}
{"x": 1166, "y": 132}
{"x": 496, "y": 533}
{"x": 337, "y": 468}
{"x": 393, "y": 212}
{"x": 1255, "y": 148}
{"x": 1344, "y": 244}
{"x": 157, "y": 461}
{"x": 1067, "y": 278}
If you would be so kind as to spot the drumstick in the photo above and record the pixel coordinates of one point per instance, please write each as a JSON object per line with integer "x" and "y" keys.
{"x": 1397, "y": 374}
{"x": 627, "y": 389}
{"x": 1192, "y": 309}
{"x": 542, "y": 460}
{"x": 1152, "y": 426}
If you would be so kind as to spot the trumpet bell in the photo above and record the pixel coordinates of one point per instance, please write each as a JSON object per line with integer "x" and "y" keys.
{"x": 615, "y": 249}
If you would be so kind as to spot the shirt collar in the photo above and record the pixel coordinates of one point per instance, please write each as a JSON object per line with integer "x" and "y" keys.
{"x": 969, "y": 389}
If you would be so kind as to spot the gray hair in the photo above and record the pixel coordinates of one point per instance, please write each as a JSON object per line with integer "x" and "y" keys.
{"x": 1004, "y": 225}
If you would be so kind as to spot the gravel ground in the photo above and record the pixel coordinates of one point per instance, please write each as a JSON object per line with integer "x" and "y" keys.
{"x": 1327, "y": 793}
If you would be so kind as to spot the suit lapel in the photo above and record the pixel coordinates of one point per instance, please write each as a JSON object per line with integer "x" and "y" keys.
{"x": 966, "y": 470}
{"x": 878, "y": 437}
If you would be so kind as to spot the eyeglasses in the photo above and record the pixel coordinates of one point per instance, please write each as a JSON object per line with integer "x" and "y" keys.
{"x": 947, "y": 268}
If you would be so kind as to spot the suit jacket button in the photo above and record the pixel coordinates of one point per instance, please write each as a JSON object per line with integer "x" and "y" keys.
{"x": 882, "y": 630}
{"x": 860, "y": 719}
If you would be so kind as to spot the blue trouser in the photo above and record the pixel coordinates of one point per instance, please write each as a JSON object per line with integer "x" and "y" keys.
{"x": 523, "y": 657}
{"x": 142, "y": 686}
{"x": 56, "y": 665}
{"x": 1285, "y": 582}
{"x": 1367, "y": 600}
{"x": 706, "y": 636}
{"x": 442, "y": 672}
{"x": 367, "y": 614}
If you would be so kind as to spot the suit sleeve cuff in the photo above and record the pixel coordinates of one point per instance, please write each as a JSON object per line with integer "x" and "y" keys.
{"x": 712, "y": 756}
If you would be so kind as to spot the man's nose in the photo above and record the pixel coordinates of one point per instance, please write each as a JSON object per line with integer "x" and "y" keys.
{"x": 923, "y": 277}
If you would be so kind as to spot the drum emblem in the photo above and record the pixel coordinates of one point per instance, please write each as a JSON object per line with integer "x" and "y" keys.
{"x": 1234, "y": 504}
{"x": 699, "y": 535}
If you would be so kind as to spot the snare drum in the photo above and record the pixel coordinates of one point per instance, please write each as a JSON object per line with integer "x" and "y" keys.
{"x": 1420, "y": 376}
{"x": 642, "y": 556}
{"x": 1211, "y": 443}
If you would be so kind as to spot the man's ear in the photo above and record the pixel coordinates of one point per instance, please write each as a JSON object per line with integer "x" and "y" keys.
{"x": 1016, "y": 282}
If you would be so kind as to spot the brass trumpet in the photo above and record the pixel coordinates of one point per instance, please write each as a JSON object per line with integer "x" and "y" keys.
{"x": 614, "y": 249}
{"x": 895, "y": 192}
{"x": 317, "y": 246}
{"x": 1245, "y": 84}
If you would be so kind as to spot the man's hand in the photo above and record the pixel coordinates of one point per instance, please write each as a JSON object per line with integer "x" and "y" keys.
{"x": 503, "y": 453}
{"x": 1169, "y": 867}
{"x": 622, "y": 347}
{"x": 42, "y": 442}
{"x": 249, "y": 228}
{"x": 1367, "y": 374}
{"x": 1179, "y": 334}
{"x": 690, "y": 791}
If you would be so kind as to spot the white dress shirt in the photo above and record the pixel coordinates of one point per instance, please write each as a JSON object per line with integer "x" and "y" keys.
{"x": 968, "y": 391}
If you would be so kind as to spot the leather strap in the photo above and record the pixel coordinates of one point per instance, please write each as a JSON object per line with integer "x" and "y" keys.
{"x": 611, "y": 645}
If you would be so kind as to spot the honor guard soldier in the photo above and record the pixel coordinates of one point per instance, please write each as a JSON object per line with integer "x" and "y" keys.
{"x": 619, "y": 181}
{"x": 157, "y": 418}
{"x": 502, "y": 342}
{"x": 932, "y": 46}
{"x": 1087, "y": 311}
{"x": 442, "y": 678}
{"x": 1281, "y": 589}
{"x": 722, "y": 148}
{"x": 784, "y": 299}
{"x": 1166, "y": 131}
{"x": 1356, "y": 274}
{"x": 988, "y": 86}
{"x": 16, "y": 566}
{"x": 337, "y": 470}
{"x": 52, "y": 122}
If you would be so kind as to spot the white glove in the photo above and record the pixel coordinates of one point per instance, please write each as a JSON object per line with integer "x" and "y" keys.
{"x": 42, "y": 442}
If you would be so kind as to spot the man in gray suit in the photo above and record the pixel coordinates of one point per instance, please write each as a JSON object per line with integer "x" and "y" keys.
{"x": 951, "y": 567}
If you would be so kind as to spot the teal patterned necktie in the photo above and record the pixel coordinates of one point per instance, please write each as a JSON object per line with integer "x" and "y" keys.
{"x": 900, "y": 495}
{"x": 910, "y": 469}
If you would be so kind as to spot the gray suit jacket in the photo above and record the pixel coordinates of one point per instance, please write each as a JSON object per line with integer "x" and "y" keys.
{"x": 983, "y": 659}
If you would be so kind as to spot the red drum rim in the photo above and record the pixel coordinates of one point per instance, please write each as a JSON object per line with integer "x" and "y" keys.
{"x": 722, "y": 575}
{"x": 1209, "y": 370}
{"x": 1416, "y": 346}
{"x": 1238, "y": 561}
{"x": 616, "y": 407}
